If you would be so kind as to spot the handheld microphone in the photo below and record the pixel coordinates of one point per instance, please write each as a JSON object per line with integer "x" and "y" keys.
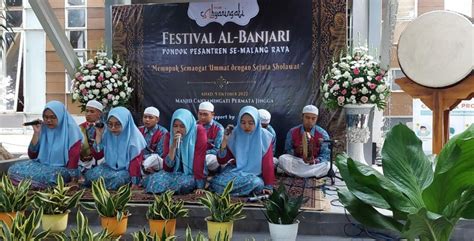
{"x": 32, "y": 123}
{"x": 178, "y": 142}
{"x": 229, "y": 129}
{"x": 258, "y": 198}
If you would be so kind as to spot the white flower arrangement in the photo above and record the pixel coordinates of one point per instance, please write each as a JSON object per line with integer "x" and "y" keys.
{"x": 355, "y": 78}
{"x": 102, "y": 79}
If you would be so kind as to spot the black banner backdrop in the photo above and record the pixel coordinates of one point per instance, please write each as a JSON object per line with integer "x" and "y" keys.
{"x": 266, "y": 63}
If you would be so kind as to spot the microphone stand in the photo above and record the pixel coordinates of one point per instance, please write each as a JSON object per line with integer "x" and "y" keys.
{"x": 331, "y": 173}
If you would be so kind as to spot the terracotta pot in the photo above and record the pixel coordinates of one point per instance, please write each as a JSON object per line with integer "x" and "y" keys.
{"x": 213, "y": 229}
{"x": 8, "y": 217}
{"x": 56, "y": 223}
{"x": 113, "y": 226}
{"x": 156, "y": 227}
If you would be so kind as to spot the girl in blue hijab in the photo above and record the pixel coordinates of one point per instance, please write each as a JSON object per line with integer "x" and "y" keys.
{"x": 183, "y": 155}
{"x": 54, "y": 149}
{"x": 122, "y": 145}
{"x": 250, "y": 152}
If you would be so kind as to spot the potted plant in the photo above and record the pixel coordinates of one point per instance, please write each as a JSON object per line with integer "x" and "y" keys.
{"x": 13, "y": 199}
{"x": 112, "y": 208}
{"x": 24, "y": 228}
{"x": 84, "y": 232}
{"x": 426, "y": 202}
{"x": 282, "y": 212}
{"x": 56, "y": 205}
{"x": 356, "y": 82}
{"x": 223, "y": 212}
{"x": 163, "y": 212}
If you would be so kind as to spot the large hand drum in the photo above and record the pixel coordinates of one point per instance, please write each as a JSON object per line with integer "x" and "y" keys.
{"x": 436, "y": 49}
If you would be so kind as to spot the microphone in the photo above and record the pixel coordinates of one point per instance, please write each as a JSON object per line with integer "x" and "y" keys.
{"x": 178, "y": 142}
{"x": 32, "y": 123}
{"x": 229, "y": 129}
{"x": 258, "y": 198}
{"x": 321, "y": 140}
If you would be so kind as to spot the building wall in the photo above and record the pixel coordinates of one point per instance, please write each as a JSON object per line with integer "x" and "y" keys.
{"x": 425, "y": 6}
{"x": 55, "y": 71}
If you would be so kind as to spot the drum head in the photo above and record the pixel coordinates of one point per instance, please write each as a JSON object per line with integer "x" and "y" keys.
{"x": 436, "y": 49}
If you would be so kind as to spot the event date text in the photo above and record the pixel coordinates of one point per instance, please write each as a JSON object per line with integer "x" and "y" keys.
{"x": 225, "y": 94}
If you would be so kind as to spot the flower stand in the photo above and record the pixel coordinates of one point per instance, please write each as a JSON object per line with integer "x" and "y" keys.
{"x": 357, "y": 129}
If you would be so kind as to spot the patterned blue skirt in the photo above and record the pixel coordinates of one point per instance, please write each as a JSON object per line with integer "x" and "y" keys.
{"x": 245, "y": 184}
{"x": 113, "y": 178}
{"x": 162, "y": 181}
{"x": 42, "y": 176}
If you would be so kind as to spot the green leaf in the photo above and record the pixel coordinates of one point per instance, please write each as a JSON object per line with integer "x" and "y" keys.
{"x": 453, "y": 174}
{"x": 366, "y": 214}
{"x": 281, "y": 208}
{"x": 220, "y": 206}
{"x": 456, "y": 208}
{"x": 376, "y": 182}
{"x": 359, "y": 190}
{"x": 405, "y": 164}
{"x": 427, "y": 226}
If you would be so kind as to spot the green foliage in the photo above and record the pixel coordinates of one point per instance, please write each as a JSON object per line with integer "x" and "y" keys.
{"x": 221, "y": 236}
{"x": 143, "y": 235}
{"x": 189, "y": 236}
{"x": 108, "y": 205}
{"x": 164, "y": 208}
{"x": 14, "y": 198}
{"x": 55, "y": 200}
{"x": 23, "y": 228}
{"x": 84, "y": 232}
{"x": 426, "y": 204}
{"x": 283, "y": 209}
{"x": 220, "y": 206}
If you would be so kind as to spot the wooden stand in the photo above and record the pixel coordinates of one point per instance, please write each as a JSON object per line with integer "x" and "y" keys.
{"x": 441, "y": 101}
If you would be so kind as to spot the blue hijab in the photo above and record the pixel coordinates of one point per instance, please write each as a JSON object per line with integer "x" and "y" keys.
{"x": 249, "y": 148}
{"x": 55, "y": 143}
{"x": 121, "y": 149}
{"x": 188, "y": 141}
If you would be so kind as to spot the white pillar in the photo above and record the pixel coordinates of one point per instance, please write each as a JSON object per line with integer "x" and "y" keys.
{"x": 360, "y": 22}
{"x": 34, "y": 65}
{"x": 367, "y": 29}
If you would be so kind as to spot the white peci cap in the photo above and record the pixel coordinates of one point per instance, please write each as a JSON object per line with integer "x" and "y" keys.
{"x": 152, "y": 111}
{"x": 95, "y": 104}
{"x": 208, "y": 106}
{"x": 265, "y": 116}
{"x": 310, "y": 109}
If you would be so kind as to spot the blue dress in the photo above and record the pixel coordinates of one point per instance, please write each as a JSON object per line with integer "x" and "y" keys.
{"x": 248, "y": 150}
{"x": 50, "y": 156}
{"x": 245, "y": 184}
{"x": 186, "y": 171}
{"x": 42, "y": 176}
{"x": 119, "y": 151}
